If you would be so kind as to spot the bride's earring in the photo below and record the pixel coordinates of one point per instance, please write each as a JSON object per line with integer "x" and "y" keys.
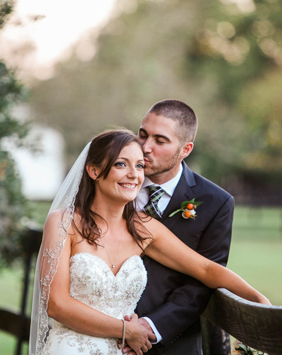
{"x": 92, "y": 172}
{"x": 95, "y": 176}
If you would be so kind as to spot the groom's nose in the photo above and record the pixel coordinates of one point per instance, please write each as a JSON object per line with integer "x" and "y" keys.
{"x": 147, "y": 146}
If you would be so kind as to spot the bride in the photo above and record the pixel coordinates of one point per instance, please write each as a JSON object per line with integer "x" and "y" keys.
{"x": 90, "y": 274}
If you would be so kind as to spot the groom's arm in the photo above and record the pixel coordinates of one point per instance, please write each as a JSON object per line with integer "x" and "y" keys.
{"x": 185, "y": 304}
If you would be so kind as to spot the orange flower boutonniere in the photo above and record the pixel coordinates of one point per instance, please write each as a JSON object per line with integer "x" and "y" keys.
{"x": 188, "y": 209}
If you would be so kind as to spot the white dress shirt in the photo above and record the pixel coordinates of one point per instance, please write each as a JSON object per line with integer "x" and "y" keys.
{"x": 142, "y": 200}
{"x": 169, "y": 187}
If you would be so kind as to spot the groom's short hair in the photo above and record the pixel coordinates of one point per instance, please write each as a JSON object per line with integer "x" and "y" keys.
{"x": 180, "y": 112}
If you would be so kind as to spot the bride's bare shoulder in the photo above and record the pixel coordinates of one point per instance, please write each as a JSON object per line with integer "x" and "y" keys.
{"x": 54, "y": 216}
{"x": 61, "y": 217}
{"x": 59, "y": 214}
{"x": 62, "y": 220}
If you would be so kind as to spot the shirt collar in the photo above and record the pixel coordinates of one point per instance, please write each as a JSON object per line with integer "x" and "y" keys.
{"x": 168, "y": 186}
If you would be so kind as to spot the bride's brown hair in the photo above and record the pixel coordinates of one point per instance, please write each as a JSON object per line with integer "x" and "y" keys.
{"x": 103, "y": 152}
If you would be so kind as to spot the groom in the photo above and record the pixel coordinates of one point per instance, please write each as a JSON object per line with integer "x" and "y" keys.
{"x": 172, "y": 302}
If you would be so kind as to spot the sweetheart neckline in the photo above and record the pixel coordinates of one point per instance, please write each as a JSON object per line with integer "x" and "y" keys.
{"x": 104, "y": 262}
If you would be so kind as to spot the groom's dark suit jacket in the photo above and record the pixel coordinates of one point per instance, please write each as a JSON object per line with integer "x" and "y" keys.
{"x": 175, "y": 301}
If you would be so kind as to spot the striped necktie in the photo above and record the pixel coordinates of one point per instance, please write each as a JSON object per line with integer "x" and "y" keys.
{"x": 152, "y": 209}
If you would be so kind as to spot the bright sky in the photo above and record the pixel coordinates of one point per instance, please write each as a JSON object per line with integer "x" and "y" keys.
{"x": 64, "y": 23}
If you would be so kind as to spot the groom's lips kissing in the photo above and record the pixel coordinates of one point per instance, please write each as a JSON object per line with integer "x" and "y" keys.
{"x": 147, "y": 160}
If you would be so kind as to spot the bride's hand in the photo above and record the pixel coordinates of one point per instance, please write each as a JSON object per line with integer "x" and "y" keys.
{"x": 137, "y": 336}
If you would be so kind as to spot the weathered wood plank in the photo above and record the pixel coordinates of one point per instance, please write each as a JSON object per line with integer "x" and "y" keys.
{"x": 10, "y": 322}
{"x": 257, "y": 325}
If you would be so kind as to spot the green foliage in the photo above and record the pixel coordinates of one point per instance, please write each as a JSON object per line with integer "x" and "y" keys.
{"x": 5, "y": 11}
{"x": 13, "y": 205}
{"x": 243, "y": 51}
{"x": 246, "y": 350}
{"x": 222, "y": 57}
{"x": 11, "y": 92}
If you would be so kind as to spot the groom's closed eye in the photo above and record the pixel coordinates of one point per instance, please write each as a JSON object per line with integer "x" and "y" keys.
{"x": 142, "y": 134}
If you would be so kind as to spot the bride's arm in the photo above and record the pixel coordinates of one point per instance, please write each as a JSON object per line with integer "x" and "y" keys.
{"x": 168, "y": 250}
{"x": 79, "y": 316}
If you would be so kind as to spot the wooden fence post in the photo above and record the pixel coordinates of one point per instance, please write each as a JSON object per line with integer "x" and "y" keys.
{"x": 32, "y": 240}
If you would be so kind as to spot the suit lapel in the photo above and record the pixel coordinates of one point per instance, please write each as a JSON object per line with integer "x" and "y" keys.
{"x": 182, "y": 193}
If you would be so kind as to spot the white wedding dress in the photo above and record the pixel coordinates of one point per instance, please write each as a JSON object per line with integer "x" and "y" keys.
{"x": 93, "y": 283}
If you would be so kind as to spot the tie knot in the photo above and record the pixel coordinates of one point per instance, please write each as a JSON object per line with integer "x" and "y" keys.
{"x": 155, "y": 193}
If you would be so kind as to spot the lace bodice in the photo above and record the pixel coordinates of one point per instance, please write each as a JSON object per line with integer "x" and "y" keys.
{"x": 93, "y": 283}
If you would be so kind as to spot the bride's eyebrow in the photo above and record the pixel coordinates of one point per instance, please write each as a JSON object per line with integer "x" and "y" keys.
{"x": 122, "y": 158}
{"x": 142, "y": 160}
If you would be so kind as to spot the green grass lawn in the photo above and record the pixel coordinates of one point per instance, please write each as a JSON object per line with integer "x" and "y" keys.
{"x": 256, "y": 249}
{"x": 260, "y": 264}
{"x": 255, "y": 255}
{"x": 10, "y": 298}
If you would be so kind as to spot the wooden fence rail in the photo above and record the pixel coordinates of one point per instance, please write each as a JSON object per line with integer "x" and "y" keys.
{"x": 259, "y": 326}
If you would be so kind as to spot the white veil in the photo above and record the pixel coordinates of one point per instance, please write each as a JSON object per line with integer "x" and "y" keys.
{"x": 50, "y": 252}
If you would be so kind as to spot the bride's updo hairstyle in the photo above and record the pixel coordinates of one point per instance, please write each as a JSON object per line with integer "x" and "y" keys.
{"x": 103, "y": 152}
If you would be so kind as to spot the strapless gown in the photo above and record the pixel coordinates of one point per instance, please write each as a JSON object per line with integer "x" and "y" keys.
{"x": 93, "y": 283}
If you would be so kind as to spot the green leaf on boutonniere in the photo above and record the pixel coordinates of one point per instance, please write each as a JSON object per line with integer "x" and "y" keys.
{"x": 185, "y": 203}
{"x": 185, "y": 207}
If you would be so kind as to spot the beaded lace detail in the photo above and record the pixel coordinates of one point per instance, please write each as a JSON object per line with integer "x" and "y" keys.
{"x": 93, "y": 283}
{"x": 50, "y": 256}
{"x": 54, "y": 237}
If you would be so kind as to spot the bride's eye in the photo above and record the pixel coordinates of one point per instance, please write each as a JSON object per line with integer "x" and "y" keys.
{"x": 140, "y": 166}
{"x": 120, "y": 164}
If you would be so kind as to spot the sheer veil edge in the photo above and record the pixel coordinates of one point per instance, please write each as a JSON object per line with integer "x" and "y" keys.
{"x": 54, "y": 237}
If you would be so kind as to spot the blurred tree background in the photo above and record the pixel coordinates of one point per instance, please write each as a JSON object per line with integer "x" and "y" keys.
{"x": 222, "y": 57}
{"x": 13, "y": 205}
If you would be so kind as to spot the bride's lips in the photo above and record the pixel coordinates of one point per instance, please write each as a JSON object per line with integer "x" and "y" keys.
{"x": 128, "y": 186}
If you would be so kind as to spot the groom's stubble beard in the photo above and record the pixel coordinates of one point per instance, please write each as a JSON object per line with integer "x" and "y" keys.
{"x": 162, "y": 166}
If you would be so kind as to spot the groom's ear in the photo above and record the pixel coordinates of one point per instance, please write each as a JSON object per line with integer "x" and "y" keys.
{"x": 187, "y": 149}
{"x": 92, "y": 171}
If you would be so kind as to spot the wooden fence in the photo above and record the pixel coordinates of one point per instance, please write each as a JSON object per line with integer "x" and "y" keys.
{"x": 259, "y": 326}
